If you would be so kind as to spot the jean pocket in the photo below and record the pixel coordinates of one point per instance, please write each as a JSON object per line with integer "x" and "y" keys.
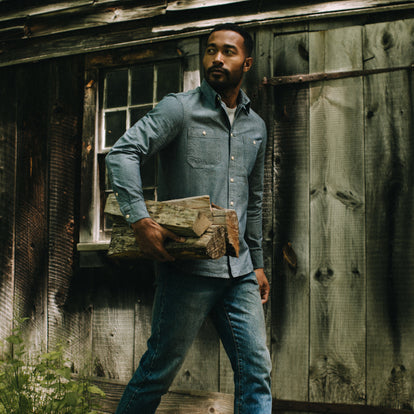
{"x": 203, "y": 149}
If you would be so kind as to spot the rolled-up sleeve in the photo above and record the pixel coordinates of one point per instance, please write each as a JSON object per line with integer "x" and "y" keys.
{"x": 254, "y": 232}
{"x": 151, "y": 133}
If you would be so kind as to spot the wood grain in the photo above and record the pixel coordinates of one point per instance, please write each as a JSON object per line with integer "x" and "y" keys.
{"x": 113, "y": 324}
{"x": 31, "y": 228}
{"x": 7, "y": 191}
{"x": 87, "y": 231}
{"x": 390, "y": 224}
{"x": 69, "y": 319}
{"x": 337, "y": 227}
{"x": 99, "y": 38}
{"x": 290, "y": 330}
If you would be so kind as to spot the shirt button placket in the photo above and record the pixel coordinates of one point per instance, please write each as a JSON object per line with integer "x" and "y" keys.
{"x": 231, "y": 172}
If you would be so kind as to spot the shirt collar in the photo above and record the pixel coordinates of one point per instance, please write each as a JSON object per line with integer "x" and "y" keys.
{"x": 214, "y": 99}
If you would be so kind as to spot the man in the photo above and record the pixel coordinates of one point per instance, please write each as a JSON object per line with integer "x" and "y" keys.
{"x": 210, "y": 142}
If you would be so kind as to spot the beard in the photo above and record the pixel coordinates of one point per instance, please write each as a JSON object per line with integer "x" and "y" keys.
{"x": 221, "y": 79}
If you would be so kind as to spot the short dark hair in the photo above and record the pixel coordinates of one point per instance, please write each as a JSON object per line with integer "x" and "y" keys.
{"x": 248, "y": 41}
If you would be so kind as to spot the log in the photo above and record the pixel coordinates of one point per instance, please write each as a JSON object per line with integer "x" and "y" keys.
{"x": 211, "y": 245}
{"x": 166, "y": 212}
{"x": 189, "y": 218}
{"x": 228, "y": 219}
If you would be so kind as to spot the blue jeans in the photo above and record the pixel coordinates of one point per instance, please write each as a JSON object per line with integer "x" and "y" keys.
{"x": 182, "y": 303}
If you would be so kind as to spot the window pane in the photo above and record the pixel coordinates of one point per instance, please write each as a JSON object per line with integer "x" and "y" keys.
{"x": 142, "y": 78}
{"x": 168, "y": 79}
{"x": 138, "y": 113}
{"x": 115, "y": 125}
{"x": 148, "y": 171}
{"x": 149, "y": 194}
{"x": 117, "y": 88}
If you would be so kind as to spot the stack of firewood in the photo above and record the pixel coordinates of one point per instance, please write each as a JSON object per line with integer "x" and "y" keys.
{"x": 210, "y": 232}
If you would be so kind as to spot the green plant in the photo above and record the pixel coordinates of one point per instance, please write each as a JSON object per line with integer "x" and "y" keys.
{"x": 45, "y": 385}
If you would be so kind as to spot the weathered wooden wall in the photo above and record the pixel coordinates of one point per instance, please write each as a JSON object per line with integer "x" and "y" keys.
{"x": 41, "y": 113}
{"x": 338, "y": 224}
{"x": 343, "y": 318}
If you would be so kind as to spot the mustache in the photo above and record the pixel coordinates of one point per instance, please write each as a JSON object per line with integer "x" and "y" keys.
{"x": 217, "y": 69}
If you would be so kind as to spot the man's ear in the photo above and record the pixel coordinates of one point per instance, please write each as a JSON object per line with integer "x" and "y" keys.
{"x": 248, "y": 62}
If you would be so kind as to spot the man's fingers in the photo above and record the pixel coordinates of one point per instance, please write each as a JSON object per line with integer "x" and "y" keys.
{"x": 170, "y": 235}
{"x": 264, "y": 293}
{"x": 150, "y": 237}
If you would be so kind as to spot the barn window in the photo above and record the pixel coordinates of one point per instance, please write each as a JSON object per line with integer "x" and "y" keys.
{"x": 121, "y": 87}
{"x": 127, "y": 95}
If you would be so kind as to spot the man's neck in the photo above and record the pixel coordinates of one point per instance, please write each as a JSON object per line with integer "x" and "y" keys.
{"x": 230, "y": 99}
{"x": 229, "y": 96}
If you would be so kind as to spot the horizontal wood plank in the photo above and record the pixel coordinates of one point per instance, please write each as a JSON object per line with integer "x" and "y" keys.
{"x": 178, "y": 5}
{"x": 84, "y": 41}
{"x": 203, "y": 402}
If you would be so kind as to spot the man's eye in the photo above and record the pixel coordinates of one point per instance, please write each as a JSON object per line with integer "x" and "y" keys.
{"x": 210, "y": 51}
{"x": 229, "y": 52}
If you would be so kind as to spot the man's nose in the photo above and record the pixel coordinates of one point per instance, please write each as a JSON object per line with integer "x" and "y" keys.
{"x": 218, "y": 58}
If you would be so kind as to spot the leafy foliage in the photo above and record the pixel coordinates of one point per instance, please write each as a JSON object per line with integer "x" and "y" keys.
{"x": 44, "y": 386}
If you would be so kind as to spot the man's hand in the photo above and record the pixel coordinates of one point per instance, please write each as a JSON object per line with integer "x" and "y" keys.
{"x": 150, "y": 237}
{"x": 264, "y": 286}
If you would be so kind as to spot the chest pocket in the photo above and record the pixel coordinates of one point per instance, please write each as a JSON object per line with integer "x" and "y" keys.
{"x": 203, "y": 149}
{"x": 251, "y": 148}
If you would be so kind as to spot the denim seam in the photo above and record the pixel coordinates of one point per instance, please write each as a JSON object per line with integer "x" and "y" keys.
{"x": 239, "y": 364}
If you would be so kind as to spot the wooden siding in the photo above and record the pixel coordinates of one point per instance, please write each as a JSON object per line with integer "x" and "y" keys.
{"x": 389, "y": 160}
{"x": 7, "y": 191}
{"x": 338, "y": 224}
{"x": 64, "y": 28}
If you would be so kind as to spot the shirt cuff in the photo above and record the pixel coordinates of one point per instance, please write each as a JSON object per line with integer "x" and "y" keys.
{"x": 134, "y": 211}
{"x": 257, "y": 258}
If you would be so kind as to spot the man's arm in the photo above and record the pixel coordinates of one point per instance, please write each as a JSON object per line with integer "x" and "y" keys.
{"x": 254, "y": 232}
{"x": 151, "y": 133}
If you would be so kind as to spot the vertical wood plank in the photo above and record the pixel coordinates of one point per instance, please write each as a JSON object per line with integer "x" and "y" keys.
{"x": 337, "y": 227}
{"x": 390, "y": 223}
{"x": 201, "y": 369}
{"x": 66, "y": 325}
{"x": 87, "y": 195}
{"x": 290, "y": 332}
{"x": 7, "y": 191}
{"x": 31, "y": 231}
{"x": 113, "y": 322}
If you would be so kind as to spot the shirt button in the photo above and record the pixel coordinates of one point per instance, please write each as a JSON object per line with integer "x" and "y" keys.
{"x": 116, "y": 194}
{"x": 127, "y": 216}
{"x": 231, "y": 203}
{"x": 232, "y": 180}
{"x": 232, "y": 135}
{"x": 204, "y": 133}
{"x": 254, "y": 142}
{"x": 232, "y": 157}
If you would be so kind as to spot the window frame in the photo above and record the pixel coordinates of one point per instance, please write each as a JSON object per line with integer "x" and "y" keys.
{"x": 186, "y": 51}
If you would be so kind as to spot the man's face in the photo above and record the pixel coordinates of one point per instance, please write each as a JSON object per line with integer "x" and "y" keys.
{"x": 225, "y": 60}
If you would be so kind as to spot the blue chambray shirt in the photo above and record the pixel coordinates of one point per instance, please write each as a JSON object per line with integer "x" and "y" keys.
{"x": 200, "y": 153}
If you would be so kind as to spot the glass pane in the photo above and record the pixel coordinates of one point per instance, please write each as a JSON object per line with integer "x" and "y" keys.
{"x": 137, "y": 113}
{"x": 142, "y": 78}
{"x": 148, "y": 171}
{"x": 168, "y": 79}
{"x": 115, "y": 125}
{"x": 149, "y": 194}
{"x": 117, "y": 88}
